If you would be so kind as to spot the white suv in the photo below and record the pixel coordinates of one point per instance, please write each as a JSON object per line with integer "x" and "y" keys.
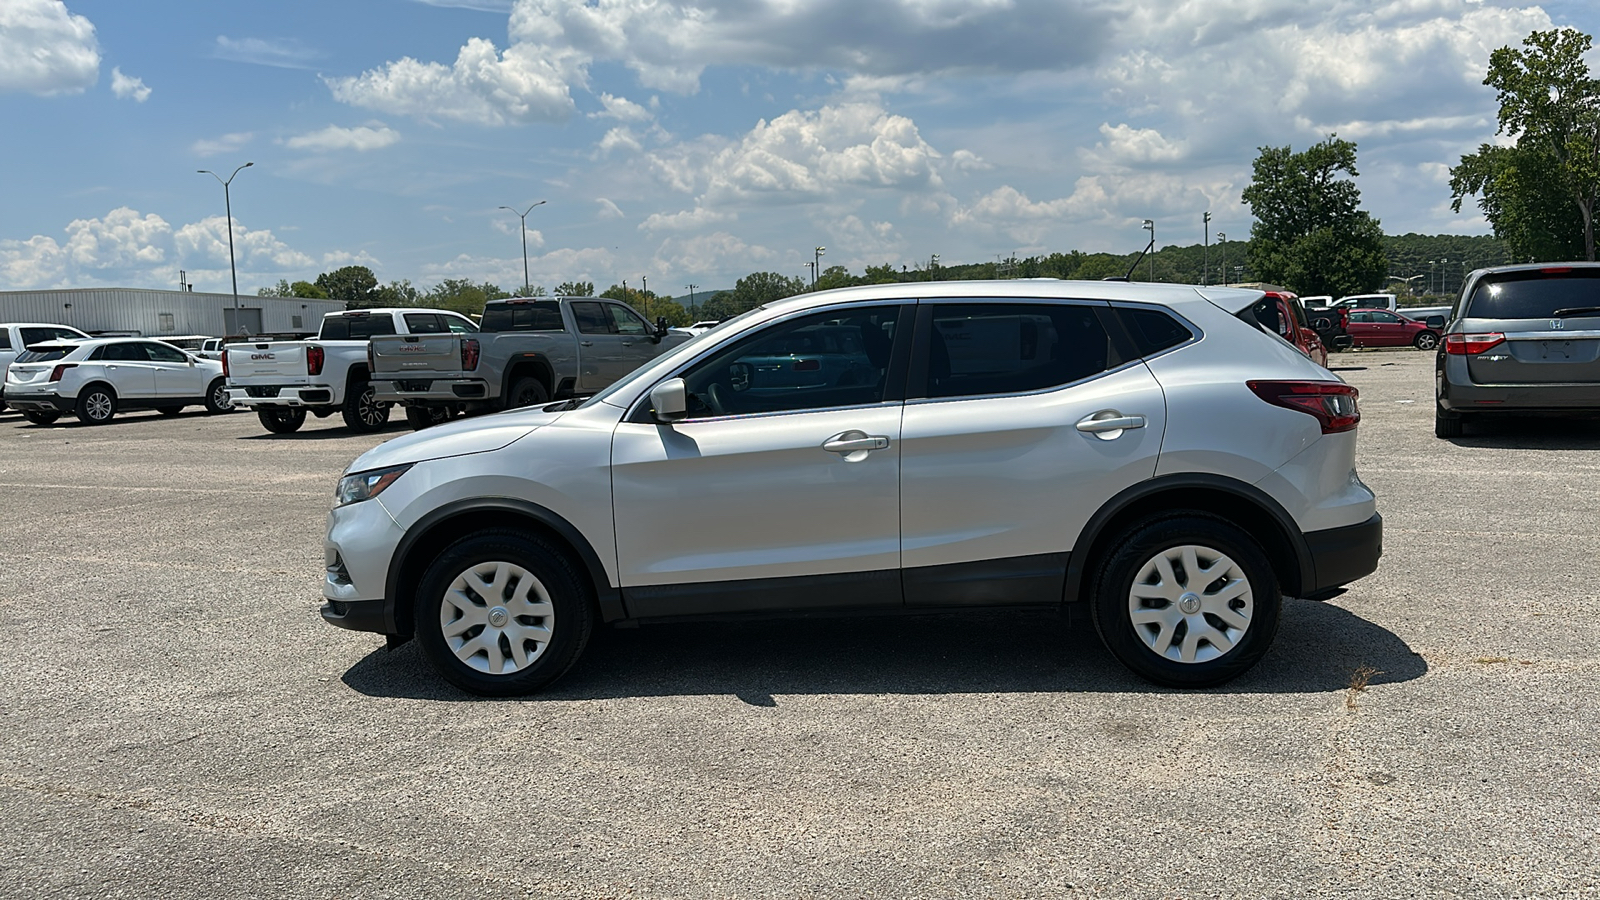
{"x": 1146, "y": 451}
{"x": 98, "y": 377}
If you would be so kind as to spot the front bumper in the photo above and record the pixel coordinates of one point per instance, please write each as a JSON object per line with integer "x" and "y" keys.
{"x": 40, "y": 402}
{"x": 431, "y": 391}
{"x": 270, "y": 396}
{"x": 360, "y": 541}
{"x": 1342, "y": 555}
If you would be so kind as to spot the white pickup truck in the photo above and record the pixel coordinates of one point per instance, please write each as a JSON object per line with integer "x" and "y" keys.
{"x": 283, "y": 380}
{"x": 529, "y": 351}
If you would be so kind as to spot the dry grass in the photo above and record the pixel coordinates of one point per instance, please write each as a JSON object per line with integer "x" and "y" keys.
{"x": 1359, "y": 679}
{"x": 1491, "y": 660}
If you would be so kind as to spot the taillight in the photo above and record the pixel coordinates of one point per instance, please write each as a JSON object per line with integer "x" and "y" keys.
{"x": 224, "y": 362}
{"x": 1472, "y": 344}
{"x": 1332, "y": 403}
{"x": 55, "y": 374}
{"x": 372, "y": 358}
{"x": 469, "y": 354}
{"x": 314, "y": 358}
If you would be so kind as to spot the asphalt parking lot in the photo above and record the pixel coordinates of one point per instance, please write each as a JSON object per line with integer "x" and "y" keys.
{"x": 178, "y": 721}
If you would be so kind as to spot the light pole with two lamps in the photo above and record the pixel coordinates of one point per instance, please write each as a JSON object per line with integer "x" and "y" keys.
{"x": 816, "y": 265}
{"x": 1222, "y": 245}
{"x": 227, "y": 201}
{"x": 526, "y": 287}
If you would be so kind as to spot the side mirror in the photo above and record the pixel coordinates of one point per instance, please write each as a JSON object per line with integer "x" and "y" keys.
{"x": 1434, "y": 321}
{"x": 661, "y": 328}
{"x": 669, "y": 401}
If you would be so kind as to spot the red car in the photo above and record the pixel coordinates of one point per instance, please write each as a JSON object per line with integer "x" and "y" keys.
{"x": 1381, "y": 328}
{"x": 1292, "y": 325}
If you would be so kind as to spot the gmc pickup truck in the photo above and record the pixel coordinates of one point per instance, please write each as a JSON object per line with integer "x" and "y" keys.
{"x": 283, "y": 380}
{"x": 528, "y": 351}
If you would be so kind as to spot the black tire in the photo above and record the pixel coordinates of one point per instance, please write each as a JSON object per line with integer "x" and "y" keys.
{"x": 217, "y": 397}
{"x": 97, "y": 403}
{"x": 1445, "y": 424}
{"x": 40, "y": 417}
{"x": 527, "y": 392}
{"x": 420, "y": 417}
{"x": 1425, "y": 340}
{"x": 463, "y": 659}
{"x": 169, "y": 410}
{"x": 362, "y": 412}
{"x": 281, "y": 421}
{"x": 1138, "y": 548}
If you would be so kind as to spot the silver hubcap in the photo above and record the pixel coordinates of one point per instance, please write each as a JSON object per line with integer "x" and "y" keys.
{"x": 99, "y": 406}
{"x": 1190, "y": 604}
{"x": 369, "y": 411}
{"x": 219, "y": 398}
{"x": 497, "y": 618}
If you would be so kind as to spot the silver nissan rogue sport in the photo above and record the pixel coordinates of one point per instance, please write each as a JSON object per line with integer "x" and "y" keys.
{"x": 1150, "y": 452}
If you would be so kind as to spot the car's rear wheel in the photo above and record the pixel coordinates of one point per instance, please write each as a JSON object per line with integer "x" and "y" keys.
{"x": 1188, "y": 600}
{"x": 217, "y": 399}
{"x": 1446, "y": 424}
{"x": 281, "y": 421}
{"x": 40, "y": 417}
{"x": 362, "y": 411}
{"x": 420, "y": 417}
{"x": 1425, "y": 340}
{"x": 503, "y": 613}
{"x": 97, "y": 403}
{"x": 528, "y": 392}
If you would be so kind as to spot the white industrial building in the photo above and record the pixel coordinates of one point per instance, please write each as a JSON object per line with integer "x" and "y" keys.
{"x": 157, "y": 313}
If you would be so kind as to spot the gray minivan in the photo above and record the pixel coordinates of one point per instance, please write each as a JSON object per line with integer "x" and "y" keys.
{"x": 1520, "y": 339}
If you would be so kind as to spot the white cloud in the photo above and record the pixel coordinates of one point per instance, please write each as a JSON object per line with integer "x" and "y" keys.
{"x": 623, "y": 110}
{"x": 688, "y": 220}
{"x": 483, "y": 87}
{"x": 46, "y": 50}
{"x": 967, "y": 161}
{"x": 361, "y": 138}
{"x": 1125, "y": 144}
{"x": 207, "y": 240}
{"x": 717, "y": 252}
{"x": 479, "y": 5}
{"x": 125, "y": 86}
{"x": 228, "y": 143}
{"x": 609, "y": 210}
{"x": 281, "y": 54}
{"x": 594, "y": 264}
{"x": 620, "y": 138}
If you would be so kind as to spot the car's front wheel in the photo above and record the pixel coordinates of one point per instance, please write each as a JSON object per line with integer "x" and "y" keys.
{"x": 281, "y": 421}
{"x": 1188, "y": 600}
{"x": 1425, "y": 340}
{"x": 503, "y": 613}
{"x": 97, "y": 403}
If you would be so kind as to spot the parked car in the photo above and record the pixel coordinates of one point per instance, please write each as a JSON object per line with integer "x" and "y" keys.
{"x": 1524, "y": 339}
{"x": 1332, "y": 325}
{"x": 1016, "y": 444}
{"x": 1381, "y": 328}
{"x": 1281, "y": 313}
{"x": 18, "y": 336}
{"x": 702, "y": 326}
{"x": 99, "y": 377}
{"x": 283, "y": 380}
{"x": 1368, "y": 301}
{"x": 530, "y": 350}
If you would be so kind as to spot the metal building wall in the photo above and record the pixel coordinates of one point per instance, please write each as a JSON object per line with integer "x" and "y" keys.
{"x": 134, "y": 309}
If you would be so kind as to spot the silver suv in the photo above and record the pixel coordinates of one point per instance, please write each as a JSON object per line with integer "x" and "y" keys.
{"x": 1520, "y": 339}
{"x": 1147, "y": 453}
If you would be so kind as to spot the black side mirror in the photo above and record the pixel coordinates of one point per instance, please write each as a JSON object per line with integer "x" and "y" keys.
{"x": 1434, "y": 321}
{"x": 661, "y": 327}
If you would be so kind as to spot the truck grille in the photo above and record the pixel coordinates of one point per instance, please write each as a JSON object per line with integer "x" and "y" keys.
{"x": 262, "y": 391}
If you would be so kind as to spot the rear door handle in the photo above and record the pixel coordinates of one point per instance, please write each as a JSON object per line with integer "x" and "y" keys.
{"x": 1109, "y": 423}
{"x": 855, "y": 442}
{"x": 586, "y": 343}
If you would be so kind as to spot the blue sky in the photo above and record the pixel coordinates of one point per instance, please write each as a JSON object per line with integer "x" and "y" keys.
{"x": 695, "y": 143}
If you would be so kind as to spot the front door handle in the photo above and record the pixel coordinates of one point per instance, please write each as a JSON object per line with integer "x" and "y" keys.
{"x": 1109, "y": 424}
{"x": 855, "y": 445}
{"x": 586, "y": 343}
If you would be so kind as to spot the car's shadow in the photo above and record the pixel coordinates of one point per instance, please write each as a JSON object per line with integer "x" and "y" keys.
{"x": 1319, "y": 648}
{"x": 1531, "y": 433}
{"x": 338, "y": 430}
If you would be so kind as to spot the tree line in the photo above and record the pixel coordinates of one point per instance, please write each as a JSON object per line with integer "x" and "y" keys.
{"x": 1309, "y": 232}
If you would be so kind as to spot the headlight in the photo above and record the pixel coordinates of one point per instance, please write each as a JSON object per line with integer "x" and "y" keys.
{"x": 366, "y": 485}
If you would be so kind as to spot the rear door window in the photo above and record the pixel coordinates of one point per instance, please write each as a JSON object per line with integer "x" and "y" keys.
{"x": 1536, "y": 294}
{"x": 983, "y": 349}
{"x": 592, "y": 318}
{"x": 129, "y": 352}
{"x": 40, "y": 335}
{"x": 424, "y": 323}
{"x": 165, "y": 354}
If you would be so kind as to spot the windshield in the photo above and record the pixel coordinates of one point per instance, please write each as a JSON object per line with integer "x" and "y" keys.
{"x": 1537, "y": 294}
{"x": 43, "y": 353}
{"x": 667, "y": 361}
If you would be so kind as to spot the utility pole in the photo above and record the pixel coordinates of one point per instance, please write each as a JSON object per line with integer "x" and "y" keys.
{"x": 933, "y": 266}
{"x": 524, "y": 217}
{"x": 691, "y": 288}
{"x": 1205, "y": 250}
{"x": 1222, "y": 243}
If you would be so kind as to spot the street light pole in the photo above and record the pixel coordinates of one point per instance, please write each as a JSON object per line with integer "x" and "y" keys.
{"x": 933, "y": 265}
{"x": 1222, "y": 244}
{"x": 526, "y": 287}
{"x": 690, "y": 288}
{"x": 644, "y": 295}
{"x": 816, "y": 265}
{"x": 1205, "y": 251}
{"x": 1150, "y": 226}
{"x": 233, "y": 270}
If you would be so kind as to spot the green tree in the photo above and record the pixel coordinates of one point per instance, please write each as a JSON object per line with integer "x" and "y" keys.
{"x": 307, "y": 289}
{"x": 280, "y": 290}
{"x": 1540, "y": 194}
{"x": 1310, "y": 233}
{"x": 836, "y": 277}
{"x": 575, "y": 289}
{"x": 352, "y": 285}
{"x": 759, "y": 288}
{"x": 397, "y": 293}
{"x": 462, "y": 295}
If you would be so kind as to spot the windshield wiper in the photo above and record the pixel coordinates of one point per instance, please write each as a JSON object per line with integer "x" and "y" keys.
{"x": 1576, "y": 311}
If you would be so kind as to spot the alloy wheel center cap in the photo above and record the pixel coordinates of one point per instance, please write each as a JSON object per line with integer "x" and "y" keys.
{"x": 498, "y": 617}
{"x": 1189, "y": 603}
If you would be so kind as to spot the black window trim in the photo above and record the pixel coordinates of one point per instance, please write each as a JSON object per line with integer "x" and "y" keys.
{"x": 894, "y": 391}
{"x": 1195, "y": 334}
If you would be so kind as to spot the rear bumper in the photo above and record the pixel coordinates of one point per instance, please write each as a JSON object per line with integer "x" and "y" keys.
{"x": 437, "y": 390}
{"x": 291, "y": 395}
{"x": 1457, "y": 392}
{"x": 1342, "y": 555}
{"x": 40, "y": 402}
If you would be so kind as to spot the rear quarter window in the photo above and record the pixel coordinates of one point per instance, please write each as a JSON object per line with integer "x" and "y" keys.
{"x": 1533, "y": 295}
{"x": 1152, "y": 330}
